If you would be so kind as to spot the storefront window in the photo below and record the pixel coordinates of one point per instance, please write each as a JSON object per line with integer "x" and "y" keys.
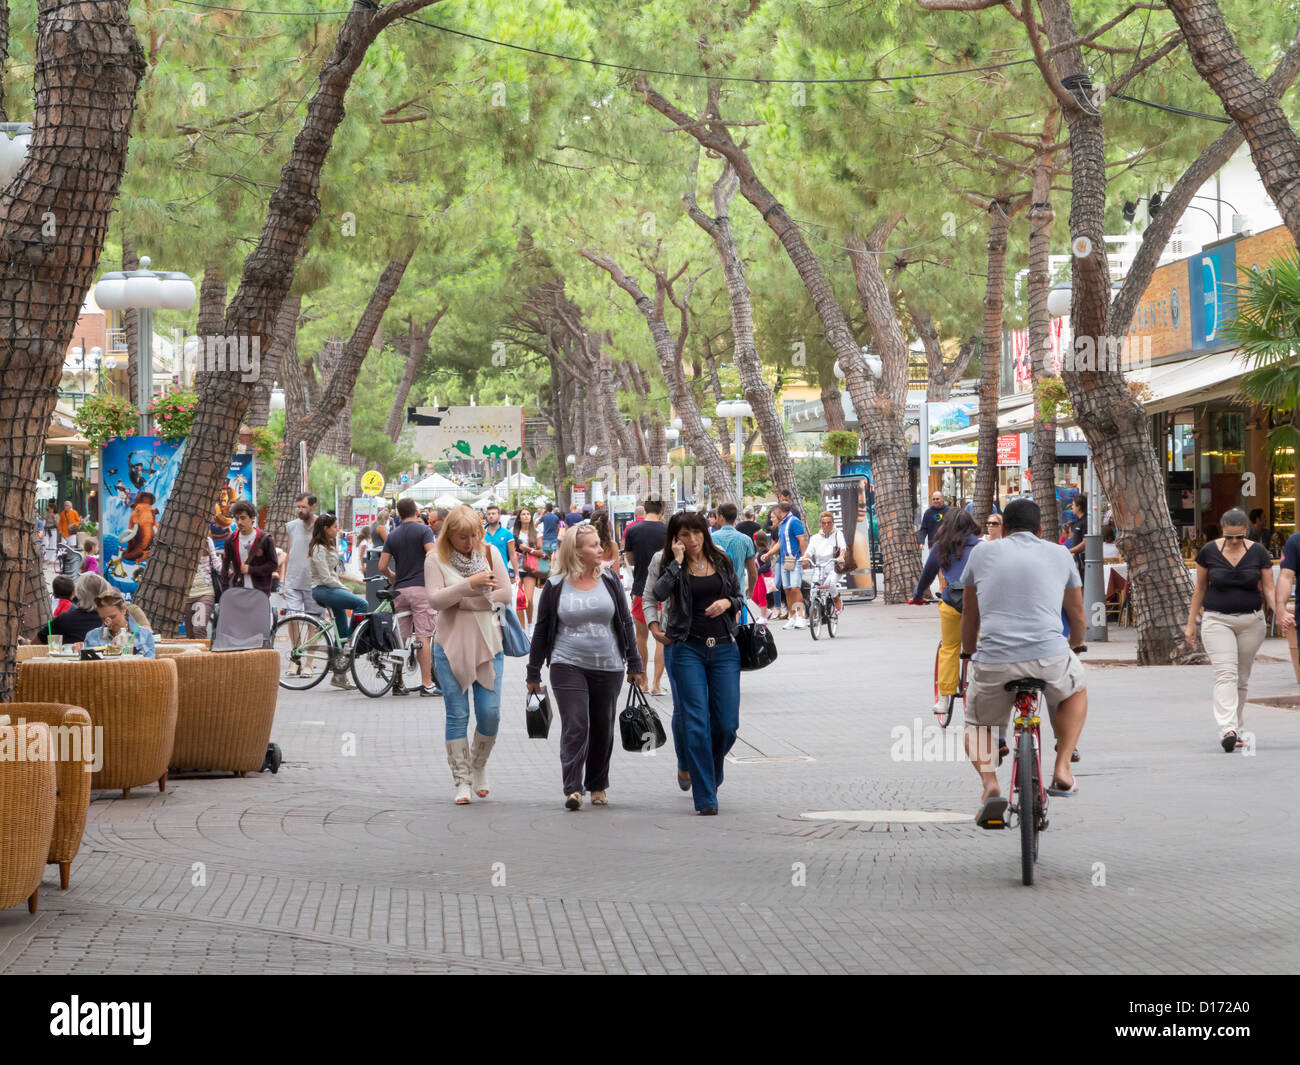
{"x": 1222, "y": 462}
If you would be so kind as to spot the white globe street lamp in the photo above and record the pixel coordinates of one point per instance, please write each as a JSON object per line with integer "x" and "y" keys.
{"x": 147, "y": 291}
{"x": 1058, "y": 299}
{"x": 740, "y": 410}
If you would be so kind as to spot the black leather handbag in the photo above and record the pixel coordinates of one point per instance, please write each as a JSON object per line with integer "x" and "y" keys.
{"x": 756, "y": 645}
{"x": 537, "y": 712}
{"x": 638, "y": 725}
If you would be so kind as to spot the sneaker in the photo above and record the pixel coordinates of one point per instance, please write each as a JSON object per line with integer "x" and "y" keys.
{"x": 427, "y": 690}
{"x": 338, "y": 680}
{"x": 800, "y": 624}
{"x": 1229, "y": 742}
{"x": 400, "y": 689}
{"x": 791, "y": 624}
{"x": 761, "y": 621}
{"x": 940, "y": 706}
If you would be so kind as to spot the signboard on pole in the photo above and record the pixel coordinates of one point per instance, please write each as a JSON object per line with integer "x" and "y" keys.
{"x": 579, "y": 494}
{"x": 851, "y": 501}
{"x": 1011, "y": 450}
{"x": 372, "y": 482}
{"x": 365, "y": 511}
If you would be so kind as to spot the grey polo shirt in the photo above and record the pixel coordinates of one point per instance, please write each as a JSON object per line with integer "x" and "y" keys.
{"x": 298, "y": 573}
{"x": 1021, "y": 582}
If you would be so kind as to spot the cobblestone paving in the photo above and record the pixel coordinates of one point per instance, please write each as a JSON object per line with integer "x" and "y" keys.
{"x": 361, "y": 863}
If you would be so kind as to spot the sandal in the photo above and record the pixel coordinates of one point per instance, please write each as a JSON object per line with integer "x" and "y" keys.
{"x": 1229, "y": 742}
{"x": 1060, "y": 791}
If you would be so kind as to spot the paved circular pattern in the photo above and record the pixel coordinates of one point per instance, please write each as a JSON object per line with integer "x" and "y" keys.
{"x": 885, "y": 816}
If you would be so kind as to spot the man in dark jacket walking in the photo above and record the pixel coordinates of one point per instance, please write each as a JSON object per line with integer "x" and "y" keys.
{"x": 249, "y": 559}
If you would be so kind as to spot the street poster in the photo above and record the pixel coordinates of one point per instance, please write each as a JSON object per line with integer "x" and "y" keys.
{"x": 851, "y": 501}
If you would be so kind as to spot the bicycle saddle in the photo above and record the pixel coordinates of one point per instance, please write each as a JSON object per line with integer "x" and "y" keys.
{"x": 1025, "y": 684}
{"x": 386, "y": 595}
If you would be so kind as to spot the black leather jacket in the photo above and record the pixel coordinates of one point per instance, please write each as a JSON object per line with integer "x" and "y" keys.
{"x": 673, "y": 589}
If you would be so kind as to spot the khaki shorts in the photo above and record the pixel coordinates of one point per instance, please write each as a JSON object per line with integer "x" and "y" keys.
{"x": 416, "y": 600}
{"x": 300, "y": 600}
{"x": 989, "y": 703}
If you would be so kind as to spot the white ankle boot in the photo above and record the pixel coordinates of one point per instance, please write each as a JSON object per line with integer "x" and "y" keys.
{"x": 479, "y": 754}
{"x": 458, "y": 759}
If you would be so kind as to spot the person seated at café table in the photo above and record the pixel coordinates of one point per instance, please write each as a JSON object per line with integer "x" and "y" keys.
{"x": 119, "y": 629}
{"x": 73, "y": 624}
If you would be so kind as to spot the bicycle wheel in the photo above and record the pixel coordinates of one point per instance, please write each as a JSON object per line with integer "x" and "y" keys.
{"x": 815, "y": 617}
{"x": 832, "y": 618}
{"x": 305, "y": 650}
{"x": 373, "y": 671}
{"x": 1027, "y": 787}
{"x": 944, "y": 718}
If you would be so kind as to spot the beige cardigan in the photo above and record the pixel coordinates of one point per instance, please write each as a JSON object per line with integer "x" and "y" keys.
{"x": 458, "y": 632}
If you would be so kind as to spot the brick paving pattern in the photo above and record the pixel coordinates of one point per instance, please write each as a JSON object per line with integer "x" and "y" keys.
{"x": 361, "y": 863}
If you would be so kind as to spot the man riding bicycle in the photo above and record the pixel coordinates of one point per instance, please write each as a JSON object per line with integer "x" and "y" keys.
{"x": 825, "y": 548}
{"x": 1014, "y": 591}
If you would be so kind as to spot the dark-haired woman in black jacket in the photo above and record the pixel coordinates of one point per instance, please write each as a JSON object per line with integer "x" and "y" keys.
{"x": 701, "y": 598}
{"x": 584, "y": 631}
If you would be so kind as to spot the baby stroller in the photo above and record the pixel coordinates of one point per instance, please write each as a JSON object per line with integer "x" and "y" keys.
{"x": 242, "y": 621}
{"x": 68, "y": 561}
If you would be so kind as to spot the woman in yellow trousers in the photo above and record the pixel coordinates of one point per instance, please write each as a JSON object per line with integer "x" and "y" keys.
{"x": 957, "y": 538}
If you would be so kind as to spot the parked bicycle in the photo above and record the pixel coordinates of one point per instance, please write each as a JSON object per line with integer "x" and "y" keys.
{"x": 310, "y": 648}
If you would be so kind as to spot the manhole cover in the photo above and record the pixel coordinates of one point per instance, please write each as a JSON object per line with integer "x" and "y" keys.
{"x": 898, "y": 816}
{"x": 770, "y": 759}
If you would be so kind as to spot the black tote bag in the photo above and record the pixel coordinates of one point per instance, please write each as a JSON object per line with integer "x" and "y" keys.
{"x": 639, "y": 726}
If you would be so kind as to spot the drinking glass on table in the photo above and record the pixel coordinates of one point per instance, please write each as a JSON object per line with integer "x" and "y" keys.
{"x": 56, "y": 644}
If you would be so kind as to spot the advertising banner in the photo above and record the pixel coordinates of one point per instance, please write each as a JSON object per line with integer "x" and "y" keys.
{"x": 1012, "y": 450}
{"x": 452, "y": 433}
{"x": 948, "y": 417}
{"x": 851, "y": 501}
{"x": 1211, "y": 280}
{"x": 139, "y": 476}
{"x": 365, "y": 511}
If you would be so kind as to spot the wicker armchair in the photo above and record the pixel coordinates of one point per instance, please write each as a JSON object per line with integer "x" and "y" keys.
{"x": 133, "y": 700}
{"x": 33, "y": 650}
{"x": 226, "y": 709}
{"x": 75, "y": 755}
{"x": 27, "y": 801}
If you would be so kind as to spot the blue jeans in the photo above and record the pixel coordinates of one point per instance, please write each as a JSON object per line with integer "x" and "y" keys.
{"x": 487, "y": 701}
{"x": 340, "y": 601}
{"x": 679, "y": 721}
{"x": 706, "y": 689}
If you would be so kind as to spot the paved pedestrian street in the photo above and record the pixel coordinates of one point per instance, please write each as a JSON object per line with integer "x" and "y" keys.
{"x": 1173, "y": 858}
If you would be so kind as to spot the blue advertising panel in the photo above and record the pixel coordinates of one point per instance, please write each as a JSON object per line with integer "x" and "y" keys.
{"x": 139, "y": 473}
{"x": 1211, "y": 283}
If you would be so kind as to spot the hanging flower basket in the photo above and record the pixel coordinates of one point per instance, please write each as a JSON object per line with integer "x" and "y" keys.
{"x": 173, "y": 415}
{"x": 100, "y": 418}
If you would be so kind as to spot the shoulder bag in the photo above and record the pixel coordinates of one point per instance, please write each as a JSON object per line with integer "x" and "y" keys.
{"x": 514, "y": 641}
{"x": 756, "y": 645}
{"x": 639, "y": 726}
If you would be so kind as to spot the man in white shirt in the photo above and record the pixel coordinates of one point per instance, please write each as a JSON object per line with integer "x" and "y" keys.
{"x": 825, "y": 547}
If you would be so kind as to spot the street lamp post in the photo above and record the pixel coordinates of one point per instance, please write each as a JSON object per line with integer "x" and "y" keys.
{"x": 1094, "y": 574}
{"x": 147, "y": 291}
{"x": 738, "y": 409}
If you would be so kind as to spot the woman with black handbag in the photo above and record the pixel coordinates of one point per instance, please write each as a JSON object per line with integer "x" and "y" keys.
{"x": 584, "y": 632}
{"x": 701, "y": 598}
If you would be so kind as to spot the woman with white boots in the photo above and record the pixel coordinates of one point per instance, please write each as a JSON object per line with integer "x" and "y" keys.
{"x": 466, "y": 578}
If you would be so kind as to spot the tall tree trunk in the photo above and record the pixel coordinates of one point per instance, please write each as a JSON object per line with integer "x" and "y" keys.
{"x": 283, "y": 338}
{"x": 88, "y": 67}
{"x": 4, "y": 53}
{"x": 721, "y": 424}
{"x": 986, "y": 461}
{"x": 37, "y": 592}
{"x": 748, "y": 364}
{"x": 883, "y": 430}
{"x": 131, "y": 326}
{"x": 669, "y": 353}
{"x": 1042, "y": 458}
{"x": 417, "y": 348}
{"x": 939, "y": 378}
{"x": 316, "y": 425}
{"x": 1249, "y": 100}
{"x": 832, "y": 407}
{"x": 901, "y": 558}
{"x": 268, "y": 274}
{"x": 1117, "y": 428}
